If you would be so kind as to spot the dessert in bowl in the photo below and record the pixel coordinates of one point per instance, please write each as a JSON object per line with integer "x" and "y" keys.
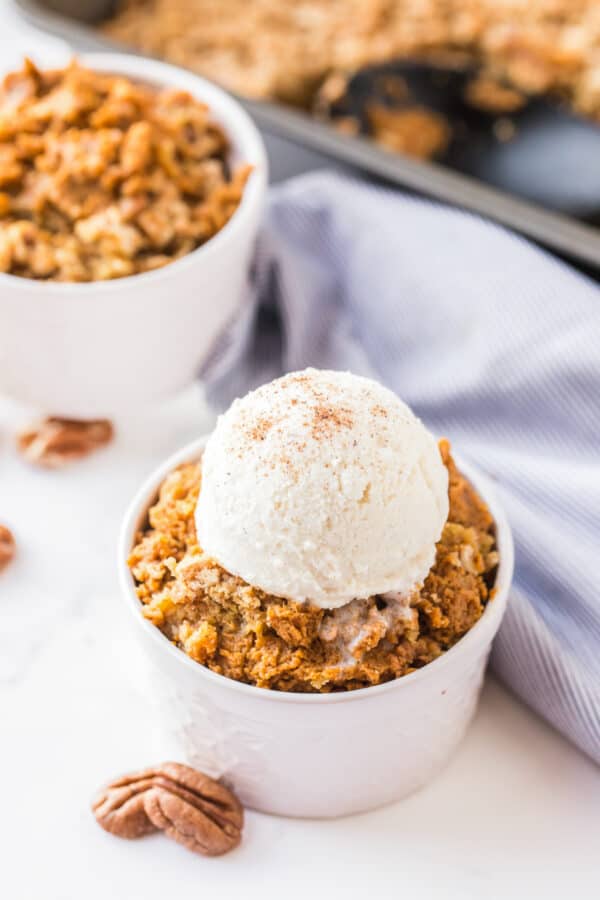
{"x": 318, "y": 585}
{"x": 129, "y": 203}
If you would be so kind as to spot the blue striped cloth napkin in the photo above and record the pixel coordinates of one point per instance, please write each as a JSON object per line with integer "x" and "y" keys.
{"x": 495, "y": 344}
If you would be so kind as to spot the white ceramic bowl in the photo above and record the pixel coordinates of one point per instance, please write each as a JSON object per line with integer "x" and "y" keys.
{"x": 317, "y": 755}
{"x": 101, "y": 348}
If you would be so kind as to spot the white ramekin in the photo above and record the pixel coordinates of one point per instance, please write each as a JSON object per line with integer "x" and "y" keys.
{"x": 317, "y": 755}
{"x": 101, "y": 348}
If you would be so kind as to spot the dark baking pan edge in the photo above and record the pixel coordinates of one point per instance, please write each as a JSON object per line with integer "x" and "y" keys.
{"x": 567, "y": 236}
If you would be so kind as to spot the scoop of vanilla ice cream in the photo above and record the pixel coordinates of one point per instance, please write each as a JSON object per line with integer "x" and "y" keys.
{"x": 322, "y": 487}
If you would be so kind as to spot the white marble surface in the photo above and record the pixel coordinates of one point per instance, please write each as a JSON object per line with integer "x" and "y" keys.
{"x": 516, "y": 814}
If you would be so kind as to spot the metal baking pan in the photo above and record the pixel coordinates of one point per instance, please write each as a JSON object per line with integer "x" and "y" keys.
{"x": 297, "y": 142}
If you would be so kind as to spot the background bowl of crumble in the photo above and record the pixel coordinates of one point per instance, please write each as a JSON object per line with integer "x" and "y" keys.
{"x": 314, "y": 754}
{"x": 130, "y": 201}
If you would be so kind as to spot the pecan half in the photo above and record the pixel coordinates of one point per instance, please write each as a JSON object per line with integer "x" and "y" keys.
{"x": 119, "y": 807}
{"x": 7, "y": 546}
{"x": 55, "y": 442}
{"x": 194, "y": 810}
{"x": 187, "y": 805}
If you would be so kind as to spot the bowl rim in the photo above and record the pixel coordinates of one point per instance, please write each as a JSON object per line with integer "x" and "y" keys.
{"x": 480, "y": 634}
{"x": 245, "y": 139}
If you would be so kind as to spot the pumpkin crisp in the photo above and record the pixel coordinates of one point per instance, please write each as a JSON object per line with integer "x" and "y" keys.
{"x": 289, "y": 51}
{"x": 245, "y": 634}
{"x": 103, "y": 177}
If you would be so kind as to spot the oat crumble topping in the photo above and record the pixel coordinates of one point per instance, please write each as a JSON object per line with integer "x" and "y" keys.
{"x": 241, "y": 632}
{"x": 101, "y": 177}
{"x": 292, "y": 52}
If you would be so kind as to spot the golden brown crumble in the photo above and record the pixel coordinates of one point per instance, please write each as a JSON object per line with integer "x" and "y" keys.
{"x": 489, "y": 95}
{"x": 101, "y": 177}
{"x": 291, "y": 51}
{"x": 412, "y": 130}
{"x": 241, "y": 632}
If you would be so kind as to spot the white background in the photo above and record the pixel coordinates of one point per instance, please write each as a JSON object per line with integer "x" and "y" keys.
{"x": 516, "y": 814}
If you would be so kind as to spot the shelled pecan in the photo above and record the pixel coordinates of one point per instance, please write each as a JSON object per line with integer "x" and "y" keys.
{"x": 7, "y": 546}
{"x": 119, "y": 808}
{"x": 190, "y": 807}
{"x": 55, "y": 442}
